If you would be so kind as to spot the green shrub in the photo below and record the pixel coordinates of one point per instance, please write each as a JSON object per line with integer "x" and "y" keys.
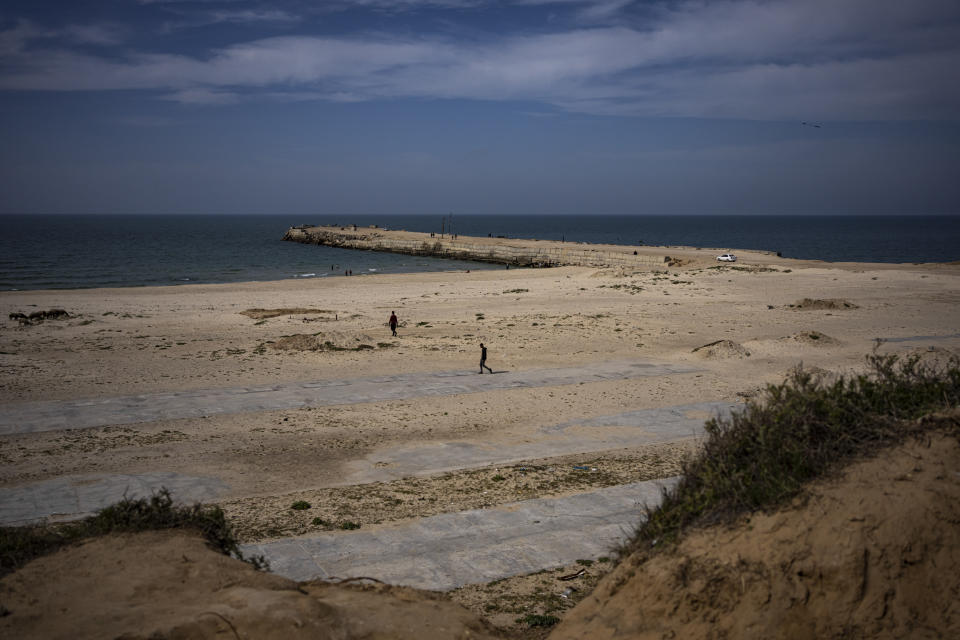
{"x": 20, "y": 545}
{"x": 537, "y": 620}
{"x": 795, "y": 432}
{"x": 300, "y": 505}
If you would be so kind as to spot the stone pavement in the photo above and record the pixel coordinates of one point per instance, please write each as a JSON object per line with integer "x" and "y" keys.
{"x": 79, "y": 414}
{"x": 75, "y": 497}
{"x": 440, "y": 552}
{"x": 453, "y": 549}
{"x": 622, "y": 430}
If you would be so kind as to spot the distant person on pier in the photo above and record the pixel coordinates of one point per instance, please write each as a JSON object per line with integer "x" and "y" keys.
{"x": 393, "y": 322}
{"x": 483, "y": 359}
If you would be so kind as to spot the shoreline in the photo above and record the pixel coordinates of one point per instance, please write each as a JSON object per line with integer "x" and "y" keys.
{"x": 84, "y": 252}
{"x": 745, "y": 261}
{"x": 541, "y": 254}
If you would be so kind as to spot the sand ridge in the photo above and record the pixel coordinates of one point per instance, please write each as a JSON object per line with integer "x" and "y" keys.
{"x": 871, "y": 553}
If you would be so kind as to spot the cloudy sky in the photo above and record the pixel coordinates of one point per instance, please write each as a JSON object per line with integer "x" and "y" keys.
{"x": 480, "y": 106}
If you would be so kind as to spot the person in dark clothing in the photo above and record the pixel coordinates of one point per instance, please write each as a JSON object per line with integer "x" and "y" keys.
{"x": 393, "y": 322}
{"x": 483, "y": 359}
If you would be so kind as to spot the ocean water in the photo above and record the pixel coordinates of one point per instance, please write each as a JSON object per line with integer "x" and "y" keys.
{"x": 69, "y": 252}
{"x": 82, "y": 251}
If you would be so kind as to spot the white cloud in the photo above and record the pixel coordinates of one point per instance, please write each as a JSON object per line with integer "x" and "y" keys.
{"x": 145, "y": 121}
{"x": 252, "y": 15}
{"x": 186, "y": 1}
{"x": 101, "y": 34}
{"x": 588, "y": 11}
{"x": 401, "y": 5}
{"x": 203, "y": 96}
{"x": 770, "y": 59}
{"x": 13, "y": 40}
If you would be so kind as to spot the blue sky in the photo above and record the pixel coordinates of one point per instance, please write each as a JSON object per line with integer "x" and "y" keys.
{"x": 480, "y": 106}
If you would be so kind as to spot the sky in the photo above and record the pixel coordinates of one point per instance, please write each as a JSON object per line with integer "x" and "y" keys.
{"x": 643, "y": 107}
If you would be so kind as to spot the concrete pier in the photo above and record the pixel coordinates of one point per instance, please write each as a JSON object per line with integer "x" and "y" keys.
{"x": 509, "y": 251}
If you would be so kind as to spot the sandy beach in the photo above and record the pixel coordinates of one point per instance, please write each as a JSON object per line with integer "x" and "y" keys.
{"x": 732, "y": 328}
{"x": 118, "y": 342}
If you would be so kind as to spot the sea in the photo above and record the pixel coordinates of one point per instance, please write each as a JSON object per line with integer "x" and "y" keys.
{"x": 85, "y": 251}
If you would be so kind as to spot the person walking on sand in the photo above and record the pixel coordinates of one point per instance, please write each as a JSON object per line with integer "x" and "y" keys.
{"x": 483, "y": 359}
{"x": 393, "y": 322}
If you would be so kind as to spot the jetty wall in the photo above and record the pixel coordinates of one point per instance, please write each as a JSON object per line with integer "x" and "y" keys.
{"x": 525, "y": 254}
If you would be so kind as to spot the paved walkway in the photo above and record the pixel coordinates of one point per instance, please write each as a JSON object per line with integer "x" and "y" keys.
{"x": 440, "y": 552}
{"x": 453, "y": 549}
{"x": 79, "y": 414}
{"x": 623, "y": 430}
{"x": 75, "y": 497}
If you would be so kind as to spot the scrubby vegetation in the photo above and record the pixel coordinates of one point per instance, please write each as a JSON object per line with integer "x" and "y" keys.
{"x": 538, "y": 620}
{"x": 37, "y": 317}
{"x": 795, "y": 432}
{"x": 19, "y": 545}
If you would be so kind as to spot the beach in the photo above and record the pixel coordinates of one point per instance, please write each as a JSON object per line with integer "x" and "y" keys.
{"x": 121, "y": 342}
{"x": 718, "y": 332}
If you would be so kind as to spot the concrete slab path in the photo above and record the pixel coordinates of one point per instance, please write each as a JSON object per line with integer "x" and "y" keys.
{"x": 79, "y": 414}
{"x": 441, "y": 552}
{"x": 450, "y": 550}
{"x": 75, "y": 497}
{"x": 623, "y": 430}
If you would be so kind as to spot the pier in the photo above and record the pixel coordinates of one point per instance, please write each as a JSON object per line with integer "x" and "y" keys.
{"x": 508, "y": 251}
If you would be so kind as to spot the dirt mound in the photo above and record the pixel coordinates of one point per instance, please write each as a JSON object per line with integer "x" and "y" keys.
{"x": 722, "y": 349}
{"x": 815, "y": 304}
{"x": 871, "y": 554}
{"x": 297, "y": 342}
{"x": 171, "y": 585}
{"x": 325, "y": 341}
{"x": 263, "y": 314}
{"x": 810, "y": 337}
